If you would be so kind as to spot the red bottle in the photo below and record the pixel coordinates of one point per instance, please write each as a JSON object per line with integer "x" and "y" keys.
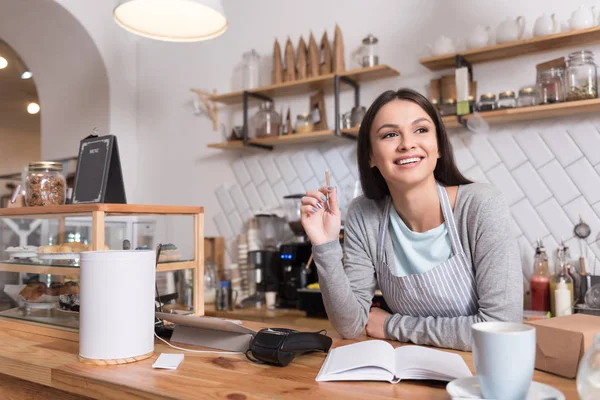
{"x": 540, "y": 281}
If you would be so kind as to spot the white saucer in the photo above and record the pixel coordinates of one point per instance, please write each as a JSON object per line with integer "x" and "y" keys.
{"x": 468, "y": 388}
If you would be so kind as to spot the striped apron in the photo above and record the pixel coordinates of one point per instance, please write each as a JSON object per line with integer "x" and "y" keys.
{"x": 448, "y": 290}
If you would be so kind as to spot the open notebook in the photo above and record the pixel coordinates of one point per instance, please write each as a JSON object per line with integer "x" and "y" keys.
{"x": 377, "y": 360}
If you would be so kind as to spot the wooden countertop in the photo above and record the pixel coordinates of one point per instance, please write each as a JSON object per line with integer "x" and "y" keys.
{"x": 41, "y": 360}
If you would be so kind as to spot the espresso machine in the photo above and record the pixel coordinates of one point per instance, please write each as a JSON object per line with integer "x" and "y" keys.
{"x": 263, "y": 264}
{"x": 293, "y": 256}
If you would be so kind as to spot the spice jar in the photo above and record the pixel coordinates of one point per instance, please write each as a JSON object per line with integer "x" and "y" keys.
{"x": 580, "y": 76}
{"x": 551, "y": 85}
{"x": 506, "y": 100}
{"x": 304, "y": 123}
{"x": 487, "y": 102}
{"x": 527, "y": 97}
{"x": 266, "y": 121}
{"x": 45, "y": 184}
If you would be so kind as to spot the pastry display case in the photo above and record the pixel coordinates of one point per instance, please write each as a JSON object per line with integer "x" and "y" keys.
{"x": 40, "y": 249}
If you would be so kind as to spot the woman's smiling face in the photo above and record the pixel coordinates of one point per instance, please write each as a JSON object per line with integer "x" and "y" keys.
{"x": 404, "y": 143}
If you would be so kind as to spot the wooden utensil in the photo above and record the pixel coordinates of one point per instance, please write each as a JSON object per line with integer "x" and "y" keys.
{"x": 339, "y": 63}
{"x": 301, "y": 59}
{"x": 325, "y": 59}
{"x": 277, "y": 64}
{"x": 289, "y": 74}
{"x": 313, "y": 57}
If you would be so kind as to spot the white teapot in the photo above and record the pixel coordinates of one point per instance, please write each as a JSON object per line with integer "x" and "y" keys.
{"x": 510, "y": 29}
{"x": 583, "y": 17}
{"x": 479, "y": 37}
{"x": 442, "y": 45}
{"x": 546, "y": 25}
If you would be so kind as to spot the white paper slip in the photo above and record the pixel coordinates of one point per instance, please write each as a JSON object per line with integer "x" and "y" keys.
{"x": 168, "y": 361}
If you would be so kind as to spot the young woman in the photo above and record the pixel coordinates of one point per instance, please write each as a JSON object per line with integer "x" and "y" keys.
{"x": 439, "y": 247}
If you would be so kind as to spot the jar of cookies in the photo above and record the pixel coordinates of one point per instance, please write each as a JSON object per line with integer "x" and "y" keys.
{"x": 45, "y": 184}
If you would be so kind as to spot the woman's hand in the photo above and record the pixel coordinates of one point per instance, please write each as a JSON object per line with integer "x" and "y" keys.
{"x": 321, "y": 222}
{"x": 376, "y": 323}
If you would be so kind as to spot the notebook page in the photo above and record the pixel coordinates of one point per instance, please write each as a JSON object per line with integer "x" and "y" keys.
{"x": 415, "y": 362}
{"x": 370, "y": 353}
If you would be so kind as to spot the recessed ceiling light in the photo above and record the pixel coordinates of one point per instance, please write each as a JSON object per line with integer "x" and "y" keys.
{"x": 3, "y": 63}
{"x": 26, "y": 75}
{"x": 33, "y": 108}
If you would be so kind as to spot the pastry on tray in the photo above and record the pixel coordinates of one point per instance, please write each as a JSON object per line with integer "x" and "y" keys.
{"x": 69, "y": 296}
{"x": 33, "y": 291}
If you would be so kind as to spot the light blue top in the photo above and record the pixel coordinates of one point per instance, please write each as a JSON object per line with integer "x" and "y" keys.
{"x": 417, "y": 252}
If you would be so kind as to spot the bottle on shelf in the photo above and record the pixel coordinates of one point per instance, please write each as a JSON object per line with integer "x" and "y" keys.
{"x": 562, "y": 297}
{"x": 561, "y": 274}
{"x": 574, "y": 274}
{"x": 586, "y": 279}
{"x": 540, "y": 280}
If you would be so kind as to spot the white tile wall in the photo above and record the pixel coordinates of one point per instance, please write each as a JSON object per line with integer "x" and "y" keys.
{"x": 531, "y": 183}
{"x": 529, "y": 220}
{"x": 254, "y": 169}
{"x": 509, "y": 151}
{"x": 482, "y": 151}
{"x": 563, "y": 147}
{"x": 559, "y": 182}
{"x": 534, "y": 147}
{"x": 586, "y": 179}
{"x": 587, "y": 138}
{"x": 549, "y": 173}
{"x": 503, "y": 180}
{"x": 301, "y": 166}
{"x": 268, "y": 165}
{"x": 556, "y": 219}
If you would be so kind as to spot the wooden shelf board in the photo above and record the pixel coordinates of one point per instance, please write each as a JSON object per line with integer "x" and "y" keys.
{"x": 532, "y": 113}
{"x": 67, "y": 209}
{"x": 74, "y": 270}
{"x": 351, "y": 131}
{"x": 309, "y": 84}
{"x": 451, "y": 122}
{"x": 516, "y": 48}
{"x": 296, "y": 138}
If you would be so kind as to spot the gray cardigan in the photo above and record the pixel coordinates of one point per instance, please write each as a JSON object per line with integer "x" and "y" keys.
{"x": 483, "y": 222}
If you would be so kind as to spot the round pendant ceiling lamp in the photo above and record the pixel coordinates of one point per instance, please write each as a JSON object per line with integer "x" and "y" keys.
{"x": 172, "y": 20}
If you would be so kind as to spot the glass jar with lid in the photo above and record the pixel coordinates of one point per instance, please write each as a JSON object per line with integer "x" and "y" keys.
{"x": 551, "y": 85}
{"x": 266, "y": 121}
{"x": 506, "y": 99}
{"x": 304, "y": 123}
{"x": 527, "y": 97}
{"x": 487, "y": 102}
{"x": 580, "y": 76}
{"x": 45, "y": 184}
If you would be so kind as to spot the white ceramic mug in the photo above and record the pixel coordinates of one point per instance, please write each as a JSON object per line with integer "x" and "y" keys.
{"x": 504, "y": 358}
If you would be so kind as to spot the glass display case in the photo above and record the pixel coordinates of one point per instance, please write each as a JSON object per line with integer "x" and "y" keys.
{"x": 40, "y": 249}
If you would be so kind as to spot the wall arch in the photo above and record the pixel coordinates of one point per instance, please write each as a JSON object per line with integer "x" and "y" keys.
{"x": 70, "y": 74}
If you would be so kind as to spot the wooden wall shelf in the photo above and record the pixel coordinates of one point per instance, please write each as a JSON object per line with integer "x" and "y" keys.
{"x": 297, "y": 138}
{"x": 310, "y": 84}
{"x": 531, "y": 113}
{"x": 579, "y": 37}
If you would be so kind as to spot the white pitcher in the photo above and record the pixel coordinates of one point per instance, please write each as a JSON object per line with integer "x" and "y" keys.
{"x": 479, "y": 37}
{"x": 546, "y": 25}
{"x": 510, "y": 30}
{"x": 583, "y": 17}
